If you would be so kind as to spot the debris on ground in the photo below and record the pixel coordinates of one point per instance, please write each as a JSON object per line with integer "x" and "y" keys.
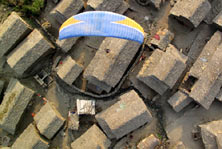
{"x": 150, "y": 142}
{"x": 162, "y": 39}
{"x": 73, "y": 123}
{"x": 86, "y": 106}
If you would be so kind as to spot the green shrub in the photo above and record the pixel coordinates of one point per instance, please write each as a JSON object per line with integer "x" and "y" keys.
{"x": 34, "y": 8}
{"x": 28, "y": 7}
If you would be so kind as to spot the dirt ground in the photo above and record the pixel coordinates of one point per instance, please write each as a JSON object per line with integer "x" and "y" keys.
{"x": 151, "y": 20}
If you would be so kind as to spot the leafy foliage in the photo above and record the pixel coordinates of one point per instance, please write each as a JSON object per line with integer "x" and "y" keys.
{"x": 28, "y": 7}
{"x": 159, "y": 136}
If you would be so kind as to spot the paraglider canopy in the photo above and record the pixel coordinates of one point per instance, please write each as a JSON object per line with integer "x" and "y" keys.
{"x": 101, "y": 23}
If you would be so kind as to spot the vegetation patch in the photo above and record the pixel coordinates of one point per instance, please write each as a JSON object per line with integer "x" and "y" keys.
{"x": 27, "y": 7}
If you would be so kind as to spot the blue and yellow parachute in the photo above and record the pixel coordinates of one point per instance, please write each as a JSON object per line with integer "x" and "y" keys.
{"x": 101, "y": 23}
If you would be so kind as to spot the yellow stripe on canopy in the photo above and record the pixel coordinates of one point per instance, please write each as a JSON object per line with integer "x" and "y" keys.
{"x": 131, "y": 23}
{"x": 68, "y": 22}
